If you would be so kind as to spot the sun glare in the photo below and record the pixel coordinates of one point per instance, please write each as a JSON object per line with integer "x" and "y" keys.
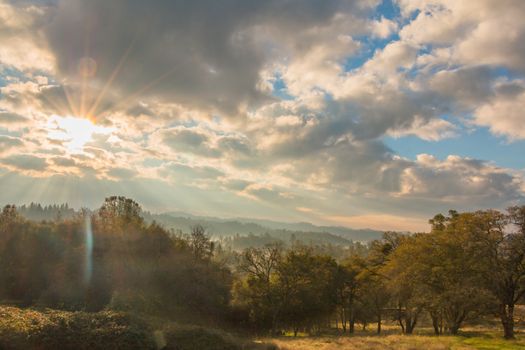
{"x": 74, "y": 132}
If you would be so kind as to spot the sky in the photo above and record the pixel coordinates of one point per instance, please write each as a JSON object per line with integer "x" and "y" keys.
{"x": 360, "y": 113}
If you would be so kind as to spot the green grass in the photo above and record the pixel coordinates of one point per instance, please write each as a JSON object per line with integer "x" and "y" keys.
{"x": 492, "y": 342}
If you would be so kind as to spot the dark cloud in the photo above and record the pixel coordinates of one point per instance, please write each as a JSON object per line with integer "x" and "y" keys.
{"x": 189, "y": 140}
{"x": 464, "y": 86}
{"x": 192, "y": 52}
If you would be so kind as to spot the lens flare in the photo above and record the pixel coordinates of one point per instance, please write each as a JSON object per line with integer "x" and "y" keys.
{"x": 88, "y": 262}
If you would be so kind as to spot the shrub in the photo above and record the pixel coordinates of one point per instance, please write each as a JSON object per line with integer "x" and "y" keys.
{"x": 31, "y": 329}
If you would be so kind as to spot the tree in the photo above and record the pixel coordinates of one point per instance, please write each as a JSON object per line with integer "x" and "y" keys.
{"x": 259, "y": 291}
{"x": 200, "y": 243}
{"x": 346, "y": 290}
{"x": 435, "y": 271}
{"x": 307, "y": 287}
{"x": 117, "y": 213}
{"x": 503, "y": 254}
{"x": 373, "y": 297}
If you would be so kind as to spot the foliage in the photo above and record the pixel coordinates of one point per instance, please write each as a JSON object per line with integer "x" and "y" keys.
{"x": 31, "y": 329}
{"x": 470, "y": 265}
{"x": 132, "y": 265}
{"x": 51, "y": 329}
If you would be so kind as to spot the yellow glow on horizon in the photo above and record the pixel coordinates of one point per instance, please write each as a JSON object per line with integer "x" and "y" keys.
{"x": 74, "y": 132}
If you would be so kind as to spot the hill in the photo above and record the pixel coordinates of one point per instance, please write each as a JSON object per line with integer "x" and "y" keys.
{"x": 241, "y": 230}
{"x": 286, "y": 232}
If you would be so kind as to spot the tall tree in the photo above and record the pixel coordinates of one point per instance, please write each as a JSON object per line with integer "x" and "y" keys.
{"x": 504, "y": 255}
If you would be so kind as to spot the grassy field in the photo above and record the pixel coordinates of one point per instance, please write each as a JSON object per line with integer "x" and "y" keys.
{"x": 45, "y": 329}
{"x": 479, "y": 339}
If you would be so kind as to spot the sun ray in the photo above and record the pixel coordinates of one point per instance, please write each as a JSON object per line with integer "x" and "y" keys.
{"x": 70, "y": 100}
{"x": 141, "y": 90}
{"x": 85, "y": 72}
{"x": 112, "y": 77}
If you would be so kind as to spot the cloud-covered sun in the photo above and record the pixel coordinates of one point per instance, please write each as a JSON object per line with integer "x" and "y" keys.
{"x": 74, "y": 132}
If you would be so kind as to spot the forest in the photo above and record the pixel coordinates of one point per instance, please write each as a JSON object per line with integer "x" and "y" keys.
{"x": 469, "y": 267}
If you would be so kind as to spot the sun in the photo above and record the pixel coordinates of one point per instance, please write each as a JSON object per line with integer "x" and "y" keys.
{"x": 73, "y": 132}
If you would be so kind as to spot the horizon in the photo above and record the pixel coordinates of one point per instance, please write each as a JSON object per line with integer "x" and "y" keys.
{"x": 372, "y": 114}
{"x": 197, "y": 216}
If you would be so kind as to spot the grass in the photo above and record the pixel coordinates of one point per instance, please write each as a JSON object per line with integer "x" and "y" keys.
{"x": 51, "y": 329}
{"x": 481, "y": 339}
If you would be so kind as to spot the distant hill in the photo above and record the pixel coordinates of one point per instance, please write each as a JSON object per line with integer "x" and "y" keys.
{"x": 245, "y": 231}
{"x": 305, "y": 232}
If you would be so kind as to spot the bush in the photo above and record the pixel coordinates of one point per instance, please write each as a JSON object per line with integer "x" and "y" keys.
{"x": 31, "y": 329}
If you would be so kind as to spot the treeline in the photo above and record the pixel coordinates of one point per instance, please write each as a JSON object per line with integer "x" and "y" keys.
{"x": 110, "y": 259}
{"x": 37, "y": 212}
{"x": 231, "y": 234}
{"x": 470, "y": 265}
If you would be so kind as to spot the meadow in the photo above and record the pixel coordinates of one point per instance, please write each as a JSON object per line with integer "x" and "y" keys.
{"x": 470, "y": 339}
{"x": 34, "y": 328}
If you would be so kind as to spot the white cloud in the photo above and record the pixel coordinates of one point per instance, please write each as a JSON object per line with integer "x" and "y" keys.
{"x": 431, "y": 130}
{"x": 383, "y": 28}
{"x": 504, "y": 115}
{"x": 458, "y": 179}
{"x": 23, "y": 47}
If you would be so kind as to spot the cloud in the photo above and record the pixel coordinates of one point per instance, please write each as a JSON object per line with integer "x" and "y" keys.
{"x": 121, "y": 173}
{"x": 504, "y": 113}
{"x": 189, "y": 174}
{"x": 8, "y": 142}
{"x": 383, "y": 28}
{"x": 181, "y": 139}
{"x": 12, "y": 120}
{"x": 64, "y": 161}
{"x": 266, "y": 106}
{"x": 481, "y": 33}
{"x": 433, "y": 130}
{"x": 25, "y": 162}
{"x": 23, "y": 47}
{"x": 199, "y": 53}
{"x": 459, "y": 179}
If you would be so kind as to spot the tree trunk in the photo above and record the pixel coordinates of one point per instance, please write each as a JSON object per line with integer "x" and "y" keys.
{"x": 410, "y": 322}
{"x": 344, "y": 317}
{"x": 410, "y": 325}
{"x": 454, "y": 329}
{"x": 435, "y": 323}
{"x": 378, "y": 323}
{"x": 400, "y": 320}
{"x": 507, "y": 320}
{"x": 352, "y": 324}
{"x": 274, "y": 323}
